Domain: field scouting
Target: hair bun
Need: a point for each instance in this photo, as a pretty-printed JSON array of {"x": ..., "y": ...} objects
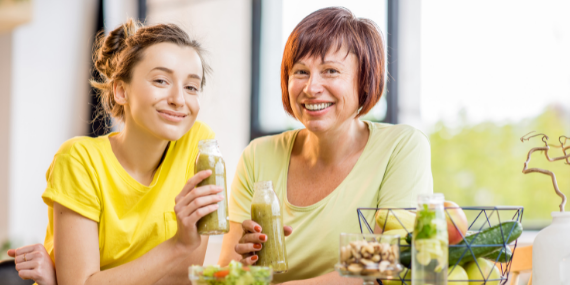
[{"x": 109, "y": 47}]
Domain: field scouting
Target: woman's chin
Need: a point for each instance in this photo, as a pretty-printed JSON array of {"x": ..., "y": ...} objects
[
  {"x": 317, "y": 126},
  {"x": 171, "y": 133}
]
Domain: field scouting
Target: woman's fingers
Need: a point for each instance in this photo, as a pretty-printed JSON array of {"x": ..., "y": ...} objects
[
  {"x": 250, "y": 226},
  {"x": 245, "y": 248},
  {"x": 250, "y": 260},
  {"x": 196, "y": 204},
  {"x": 28, "y": 274},
  {"x": 196, "y": 193},
  {"x": 198, "y": 214},
  {"x": 193, "y": 182},
  {"x": 12, "y": 252},
  {"x": 28, "y": 252},
  {"x": 253, "y": 238},
  {"x": 29, "y": 248},
  {"x": 32, "y": 264},
  {"x": 287, "y": 230}
]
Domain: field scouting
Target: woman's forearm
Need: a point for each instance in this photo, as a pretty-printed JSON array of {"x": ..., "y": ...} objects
[
  {"x": 147, "y": 269},
  {"x": 77, "y": 254},
  {"x": 179, "y": 275}
]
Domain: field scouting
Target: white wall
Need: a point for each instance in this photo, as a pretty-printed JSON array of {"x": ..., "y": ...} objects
[
  {"x": 224, "y": 29},
  {"x": 49, "y": 103}
]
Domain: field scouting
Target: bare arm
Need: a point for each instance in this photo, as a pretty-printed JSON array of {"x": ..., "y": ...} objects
[
  {"x": 229, "y": 243},
  {"x": 77, "y": 244},
  {"x": 179, "y": 275}
]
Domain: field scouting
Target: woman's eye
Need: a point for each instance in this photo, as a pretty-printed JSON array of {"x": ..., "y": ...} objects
[
  {"x": 331, "y": 71},
  {"x": 160, "y": 81},
  {"x": 192, "y": 88},
  {"x": 301, "y": 72}
]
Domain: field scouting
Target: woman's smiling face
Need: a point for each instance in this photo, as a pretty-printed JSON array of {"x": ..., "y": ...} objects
[
  {"x": 162, "y": 97},
  {"x": 324, "y": 93}
]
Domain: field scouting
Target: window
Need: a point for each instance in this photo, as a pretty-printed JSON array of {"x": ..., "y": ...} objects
[
  {"x": 273, "y": 21},
  {"x": 492, "y": 72}
]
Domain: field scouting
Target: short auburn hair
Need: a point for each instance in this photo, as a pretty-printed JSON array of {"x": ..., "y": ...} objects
[{"x": 335, "y": 27}]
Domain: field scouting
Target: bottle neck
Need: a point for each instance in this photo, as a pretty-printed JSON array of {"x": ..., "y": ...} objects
[
  {"x": 561, "y": 218},
  {"x": 209, "y": 147}
]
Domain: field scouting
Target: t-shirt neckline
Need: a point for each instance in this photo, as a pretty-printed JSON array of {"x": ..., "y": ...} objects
[
  {"x": 124, "y": 174},
  {"x": 291, "y": 142}
]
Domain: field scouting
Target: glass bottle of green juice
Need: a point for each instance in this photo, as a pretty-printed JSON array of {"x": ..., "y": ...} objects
[
  {"x": 266, "y": 211},
  {"x": 210, "y": 157},
  {"x": 430, "y": 242}
]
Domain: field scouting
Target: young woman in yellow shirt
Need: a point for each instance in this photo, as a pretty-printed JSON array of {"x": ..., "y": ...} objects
[{"x": 123, "y": 207}]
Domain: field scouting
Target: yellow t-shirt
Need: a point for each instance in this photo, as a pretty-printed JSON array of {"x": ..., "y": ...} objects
[
  {"x": 86, "y": 177},
  {"x": 394, "y": 167}
]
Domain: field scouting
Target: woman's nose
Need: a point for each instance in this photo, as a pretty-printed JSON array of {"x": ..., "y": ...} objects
[
  {"x": 176, "y": 97},
  {"x": 314, "y": 85}
]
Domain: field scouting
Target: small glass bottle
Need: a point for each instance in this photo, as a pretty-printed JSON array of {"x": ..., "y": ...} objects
[
  {"x": 266, "y": 211},
  {"x": 210, "y": 157},
  {"x": 430, "y": 242}
]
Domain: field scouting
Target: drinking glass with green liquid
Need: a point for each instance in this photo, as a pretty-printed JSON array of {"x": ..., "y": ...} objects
[
  {"x": 266, "y": 211},
  {"x": 210, "y": 157},
  {"x": 430, "y": 242}
]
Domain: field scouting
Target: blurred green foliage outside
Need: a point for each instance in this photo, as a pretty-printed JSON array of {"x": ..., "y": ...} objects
[{"x": 481, "y": 164}]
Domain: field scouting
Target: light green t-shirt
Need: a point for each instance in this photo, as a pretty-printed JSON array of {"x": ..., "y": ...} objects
[{"x": 394, "y": 167}]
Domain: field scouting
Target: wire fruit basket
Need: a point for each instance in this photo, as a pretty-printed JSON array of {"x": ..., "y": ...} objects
[{"x": 499, "y": 224}]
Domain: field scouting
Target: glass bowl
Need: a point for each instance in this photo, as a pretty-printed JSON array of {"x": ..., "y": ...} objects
[
  {"x": 369, "y": 256},
  {"x": 235, "y": 273}
]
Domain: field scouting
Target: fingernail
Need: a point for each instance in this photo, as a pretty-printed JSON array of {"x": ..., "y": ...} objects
[
  {"x": 257, "y": 246},
  {"x": 262, "y": 237},
  {"x": 254, "y": 258},
  {"x": 257, "y": 229}
]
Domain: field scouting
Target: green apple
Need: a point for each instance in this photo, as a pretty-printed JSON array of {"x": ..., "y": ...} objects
[
  {"x": 488, "y": 269},
  {"x": 457, "y": 273}
]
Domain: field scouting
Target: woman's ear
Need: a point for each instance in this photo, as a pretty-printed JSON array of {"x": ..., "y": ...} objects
[{"x": 120, "y": 92}]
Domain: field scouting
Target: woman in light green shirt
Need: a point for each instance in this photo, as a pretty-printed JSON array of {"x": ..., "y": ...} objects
[{"x": 332, "y": 73}]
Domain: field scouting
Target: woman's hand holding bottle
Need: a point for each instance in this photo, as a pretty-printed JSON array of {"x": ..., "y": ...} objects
[
  {"x": 252, "y": 241},
  {"x": 192, "y": 204}
]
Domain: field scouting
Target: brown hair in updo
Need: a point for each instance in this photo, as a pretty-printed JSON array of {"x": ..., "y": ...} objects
[{"x": 115, "y": 56}]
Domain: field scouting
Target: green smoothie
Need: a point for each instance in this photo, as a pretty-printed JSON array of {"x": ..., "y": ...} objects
[
  {"x": 266, "y": 212},
  {"x": 216, "y": 222}
]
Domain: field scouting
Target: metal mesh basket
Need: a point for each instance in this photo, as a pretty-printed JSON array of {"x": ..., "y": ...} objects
[{"x": 481, "y": 218}]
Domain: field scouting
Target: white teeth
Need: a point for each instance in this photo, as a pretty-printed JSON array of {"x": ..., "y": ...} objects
[{"x": 317, "y": 107}]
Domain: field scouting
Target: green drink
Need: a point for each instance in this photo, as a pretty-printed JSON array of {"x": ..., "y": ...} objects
[
  {"x": 210, "y": 157},
  {"x": 266, "y": 211},
  {"x": 430, "y": 242}
]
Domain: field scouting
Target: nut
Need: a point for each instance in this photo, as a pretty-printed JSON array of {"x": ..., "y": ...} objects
[
  {"x": 355, "y": 268},
  {"x": 383, "y": 265},
  {"x": 368, "y": 257},
  {"x": 345, "y": 253}
]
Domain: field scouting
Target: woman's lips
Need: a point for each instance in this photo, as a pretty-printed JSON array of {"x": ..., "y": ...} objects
[
  {"x": 172, "y": 116},
  {"x": 317, "y": 108}
]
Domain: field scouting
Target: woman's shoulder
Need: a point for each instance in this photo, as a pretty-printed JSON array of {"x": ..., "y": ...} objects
[
  {"x": 271, "y": 145},
  {"x": 396, "y": 133},
  {"x": 81, "y": 145}
]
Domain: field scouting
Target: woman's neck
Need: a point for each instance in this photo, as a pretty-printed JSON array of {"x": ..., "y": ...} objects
[
  {"x": 334, "y": 145},
  {"x": 139, "y": 153}
]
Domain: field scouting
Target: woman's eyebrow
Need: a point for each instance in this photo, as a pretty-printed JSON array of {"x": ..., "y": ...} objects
[
  {"x": 332, "y": 61},
  {"x": 170, "y": 71}
]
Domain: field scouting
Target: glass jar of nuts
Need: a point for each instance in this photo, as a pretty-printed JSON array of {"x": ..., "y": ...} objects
[{"x": 369, "y": 256}]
